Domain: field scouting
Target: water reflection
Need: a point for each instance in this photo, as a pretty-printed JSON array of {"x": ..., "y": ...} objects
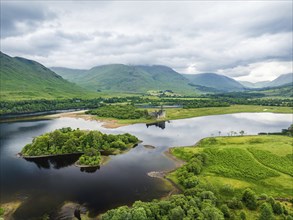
[
  {"x": 160, "y": 124},
  {"x": 89, "y": 169},
  {"x": 55, "y": 162}
]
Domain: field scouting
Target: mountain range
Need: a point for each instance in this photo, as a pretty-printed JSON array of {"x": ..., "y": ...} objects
[
  {"x": 127, "y": 78},
  {"x": 28, "y": 79},
  {"x": 141, "y": 78}
]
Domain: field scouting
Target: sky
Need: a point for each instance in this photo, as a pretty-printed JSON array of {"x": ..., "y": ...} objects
[{"x": 246, "y": 40}]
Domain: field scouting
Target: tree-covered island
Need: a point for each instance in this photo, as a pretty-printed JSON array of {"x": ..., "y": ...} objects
[{"x": 90, "y": 144}]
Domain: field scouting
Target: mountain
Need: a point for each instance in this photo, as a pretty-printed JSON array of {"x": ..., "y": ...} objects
[
  {"x": 260, "y": 84},
  {"x": 280, "y": 91},
  {"x": 219, "y": 82},
  {"x": 67, "y": 73},
  {"x": 127, "y": 78},
  {"x": 27, "y": 79},
  {"x": 281, "y": 80}
]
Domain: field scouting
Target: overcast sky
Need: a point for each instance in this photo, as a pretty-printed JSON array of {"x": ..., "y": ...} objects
[{"x": 249, "y": 40}]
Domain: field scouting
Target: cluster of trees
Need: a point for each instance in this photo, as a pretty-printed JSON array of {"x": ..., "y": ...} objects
[
  {"x": 120, "y": 112},
  {"x": 67, "y": 140},
  {"x": 257, "y": 101},
  {"x": 91, "y": 157},
  {"x": 177, "y": 207},
  {"x": 187, "y": 174},
  {"x": 32, "y": 106}
]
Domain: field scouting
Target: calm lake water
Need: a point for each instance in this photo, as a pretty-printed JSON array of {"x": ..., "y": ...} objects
[{"x": 45, "y": 185}]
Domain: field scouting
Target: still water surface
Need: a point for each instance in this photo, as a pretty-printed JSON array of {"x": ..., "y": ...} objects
[{"x": 46, "y": 185}]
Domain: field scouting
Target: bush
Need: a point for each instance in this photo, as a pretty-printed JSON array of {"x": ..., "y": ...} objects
[
  {"x": 242, "y": 215},
  {"x": 225, "y": 210},
  {"x": 277, "y": 208},
  {"x": 234, "y": 203},
  {"x": 266, "y": 212},
  {"x": 249, "y": 199}
]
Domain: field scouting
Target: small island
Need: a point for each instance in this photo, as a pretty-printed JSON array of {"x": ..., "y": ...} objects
[{"x": 91, "y": 145}]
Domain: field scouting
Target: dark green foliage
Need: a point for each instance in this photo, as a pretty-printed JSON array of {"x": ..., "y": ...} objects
[
  {"x": 277, "y": 208},
  {"x": 177, "y": 207},
  {"x": 212, "y": 213},
  {"x": 249, "y": 199},
  {"x": 266, "y": 212},
  {"x": 225, "y": 210},
  {"x": 120, "y": 112},
  {"x": 91, "y": 157},
  {"x": 33, "y": 106},
  {"x": 234, "y": 203},
  {"x": 176, "y": 213},
  {"x": 242, "y": 215},
  {"x": 66, "y": 141}
]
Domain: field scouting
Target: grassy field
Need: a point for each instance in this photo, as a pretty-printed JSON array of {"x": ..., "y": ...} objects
[
  {"x": 180, "y": 113},
  {"x": 262, "y": 163}
]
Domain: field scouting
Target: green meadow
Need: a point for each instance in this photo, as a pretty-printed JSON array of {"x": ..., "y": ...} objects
[{"x": 262, "y": 163}]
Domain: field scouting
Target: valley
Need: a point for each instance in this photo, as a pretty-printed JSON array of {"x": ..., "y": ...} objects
[{"x": 94, "y": 143}]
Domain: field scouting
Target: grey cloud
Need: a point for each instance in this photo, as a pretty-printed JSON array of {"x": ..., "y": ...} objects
[{"x": 20, "y": 17}]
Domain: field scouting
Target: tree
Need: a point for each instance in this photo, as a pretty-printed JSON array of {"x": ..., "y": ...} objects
[
  {"x": 241, "y": 132},
  {"x": 225, "y": 210},
  {"x": 139, "y": 214},
  {"x": 277, "y": 208},
  {"x": 242, "y": 215},
  {"x": 266, "y": 212},
  {"x": 212, "y": 213},
  {"x": 249, "y": 199},
  {"x": 176, "y": 213}
]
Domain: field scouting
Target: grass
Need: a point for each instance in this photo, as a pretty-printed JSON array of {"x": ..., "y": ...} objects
[{"x": 263, "y": 163}]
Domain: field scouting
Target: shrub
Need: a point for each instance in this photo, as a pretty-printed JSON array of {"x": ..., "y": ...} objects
[
  {"x": 266, "y": 212},
  {"x": 249, "y": 199}
]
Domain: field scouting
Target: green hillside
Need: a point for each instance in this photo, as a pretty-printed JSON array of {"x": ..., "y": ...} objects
[
  {"x": 219, "y": 82},
  {"x": 27, "y": 79},
  {"x": 279, "y": 91},
  {"x": 130, "y": 79}
]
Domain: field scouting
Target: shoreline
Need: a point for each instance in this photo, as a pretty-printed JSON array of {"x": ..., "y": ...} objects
[
  {"x": 106, "y": 123},
  {"x": 163, "y": 174}
]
